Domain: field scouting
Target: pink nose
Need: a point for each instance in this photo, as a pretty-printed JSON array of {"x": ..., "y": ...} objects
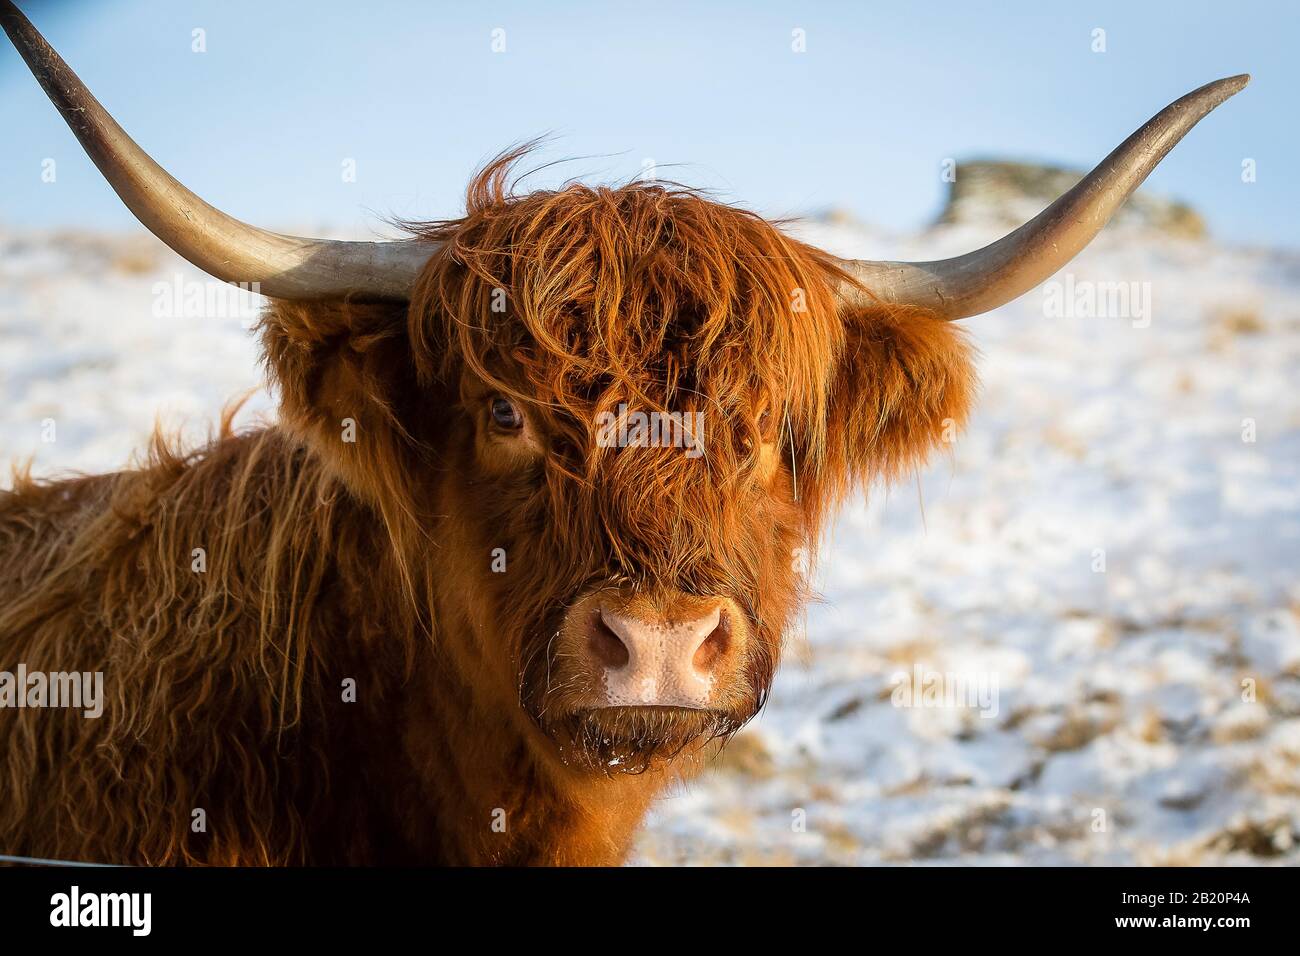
[{"x": 656, "y": 661}]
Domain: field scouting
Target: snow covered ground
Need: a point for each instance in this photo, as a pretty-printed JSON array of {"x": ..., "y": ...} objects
[{"x": 1107, "y": 559}]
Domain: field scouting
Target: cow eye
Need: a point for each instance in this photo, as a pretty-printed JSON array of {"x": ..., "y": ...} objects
[{"x": 505, "y": 414}]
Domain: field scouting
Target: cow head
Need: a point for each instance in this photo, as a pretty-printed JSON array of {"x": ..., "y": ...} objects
[
  {"x": 604, "y": 427},
  {"x": 618, "y": 418}
]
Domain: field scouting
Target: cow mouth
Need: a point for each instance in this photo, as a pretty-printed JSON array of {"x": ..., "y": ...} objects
[{"x": 616, "y": 740}]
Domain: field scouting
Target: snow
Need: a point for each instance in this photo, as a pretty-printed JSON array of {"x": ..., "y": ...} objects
[{"x": 1103, "y": 545}]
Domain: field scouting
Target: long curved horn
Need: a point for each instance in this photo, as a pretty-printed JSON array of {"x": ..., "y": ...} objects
[
  {"x": 285, "y": 267},
  {"x": 989, "y": 277}
]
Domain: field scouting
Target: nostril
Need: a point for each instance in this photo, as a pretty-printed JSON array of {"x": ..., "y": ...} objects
[
  {"x": 606, "y": 646},
  {"x": 713, "y": 647}
]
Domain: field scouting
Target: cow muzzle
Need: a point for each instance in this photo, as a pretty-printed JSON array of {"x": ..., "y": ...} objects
[{"x": 679, "y": 651}]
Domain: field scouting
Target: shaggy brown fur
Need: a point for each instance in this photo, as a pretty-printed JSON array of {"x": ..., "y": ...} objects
[{"x": 371, "y": 560}]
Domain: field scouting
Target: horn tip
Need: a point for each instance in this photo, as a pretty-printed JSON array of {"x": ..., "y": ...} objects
[
  {"x": 1232, "y": 84},
  {"x": 1215, "y": 93}
]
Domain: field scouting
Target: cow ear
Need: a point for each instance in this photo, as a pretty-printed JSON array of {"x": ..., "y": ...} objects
[
  {"x": 348, "y": 387},
  {"x": 904, "y": 386}
]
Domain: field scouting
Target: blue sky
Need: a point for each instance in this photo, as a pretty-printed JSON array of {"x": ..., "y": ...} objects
[{"x": 261, "y": 123}]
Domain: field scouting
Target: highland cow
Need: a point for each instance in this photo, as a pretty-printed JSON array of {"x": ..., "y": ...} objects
[{"x": 433, "y": 615}]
